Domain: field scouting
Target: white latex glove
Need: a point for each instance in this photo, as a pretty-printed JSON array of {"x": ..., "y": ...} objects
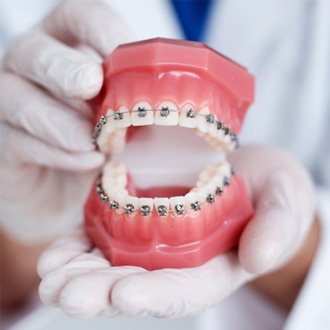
[
  {"x": 46, "y": 155},
  {"x": 82, "y": 283}
]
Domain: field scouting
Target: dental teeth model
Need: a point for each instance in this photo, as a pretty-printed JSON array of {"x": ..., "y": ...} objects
[{"x": 167, "y": 82}]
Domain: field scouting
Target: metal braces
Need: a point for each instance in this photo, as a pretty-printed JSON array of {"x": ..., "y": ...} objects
[
  {"x": 164, "y": 112},
  {"x": 162, "y": 210}
]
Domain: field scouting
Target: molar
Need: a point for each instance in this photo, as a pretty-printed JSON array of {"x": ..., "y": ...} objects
[
  {"x": 167, "y": 114},
  {"x": 142, "y": 114}
]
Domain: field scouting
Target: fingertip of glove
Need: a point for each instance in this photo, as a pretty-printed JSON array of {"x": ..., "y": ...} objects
[
  {"x": 258, "y": 260},
  {"x": 81, "y": 79},
  {"x": 87, "y": 162},
  {"x": 127, "y": 299},
  {"x": 89, "y": 79},
  {"x": 80, "y": 298}
]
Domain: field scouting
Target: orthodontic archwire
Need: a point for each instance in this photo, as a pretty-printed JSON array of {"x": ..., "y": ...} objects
[
  {"x": 162, "y": 210},
  {"x": 164, "y": 112}
]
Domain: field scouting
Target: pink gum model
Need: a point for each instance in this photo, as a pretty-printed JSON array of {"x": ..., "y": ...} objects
[{"x": 169, "y": 83}]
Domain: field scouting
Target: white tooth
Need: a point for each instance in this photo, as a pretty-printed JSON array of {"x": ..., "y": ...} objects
[
  {"x": 211, "y": 187},
  {"x": 225, "y": 139},
  {"x": 213, "y": 131},
  {"x": 112, "y": 169},
  {"x": 206, "y": 175},
  {"x": 110, "y": 190},
  {"x": 177, "y": 205},
  {"x": 118, "y": 181},
  {"x": 131, "y": 201},
  {"x": 104, "y": 139},
  {"x": 224, "y": 168},
  {"x": 167, "y": 114},
  {"x": 140, "y": 117},
  {"x": 202, "y": 124},
  {"x": 117, "y": 140},
  {"x": 162, "y": 206},
  {"x": 120, "y": 196},
  {"x": 186, "y": 113},
  {"x": 125, "y": 121},
  {"x": 218, "y": 180},
  {"x": 200, "y": 183},
  {"x": 191, "y": 197},
  {"x": 146, "y": 202},
  {"x": 202, "y": 194}
]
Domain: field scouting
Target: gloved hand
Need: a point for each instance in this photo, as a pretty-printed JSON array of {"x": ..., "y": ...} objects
[
  {"x": 82, "y": 283},
  {"x": 47, "y": 158}
]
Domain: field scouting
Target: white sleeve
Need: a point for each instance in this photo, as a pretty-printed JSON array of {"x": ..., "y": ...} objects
[
  {"x": 17, "y": 16},
  {"x": 311, "y": 311}
]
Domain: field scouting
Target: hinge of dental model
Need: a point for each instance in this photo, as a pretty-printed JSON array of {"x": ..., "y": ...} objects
[
  {"x": 164, "y": 112},
  {"x": 162, "y": 210}
]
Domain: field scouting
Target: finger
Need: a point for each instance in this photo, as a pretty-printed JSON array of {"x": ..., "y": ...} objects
[
  {"x": 88, "y": 295},
  {"x": 104, "y": 32},
  {"x": 62, "y": 251},
  {"x": 284, "y": 211},
  {"x": 25, "y": 105},
  {"x": 17, "y": 145},
  {"x": 55, "y": 66},
  {"x": 53, "y": 283},
  {"x": 174, "y": 293}
]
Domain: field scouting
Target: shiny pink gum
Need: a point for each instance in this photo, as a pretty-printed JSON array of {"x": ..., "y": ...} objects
[{"x": 168, "y": 70}]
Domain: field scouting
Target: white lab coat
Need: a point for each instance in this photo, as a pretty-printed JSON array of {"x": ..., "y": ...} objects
[{"x": 286, "y": 44}]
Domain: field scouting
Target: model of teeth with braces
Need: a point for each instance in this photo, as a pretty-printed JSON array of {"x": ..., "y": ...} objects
[{"x": 165, "y": 82}]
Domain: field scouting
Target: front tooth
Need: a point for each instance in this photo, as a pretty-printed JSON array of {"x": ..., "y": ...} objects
[
  {"x": 202, "y": 124},
  {"x": 132, "y": 205},
  {"x": 188, "y": 116},
  {"x": 162, "y": 206},
  {"x": 192, "y": 203},
  {"x": 142, "y": 114},
  {"x": 167, "y": 114},
  {"x": 146, "y": 206},
  {"x": 120, "y": 118},
  {"x": 177, "y": 205}
]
